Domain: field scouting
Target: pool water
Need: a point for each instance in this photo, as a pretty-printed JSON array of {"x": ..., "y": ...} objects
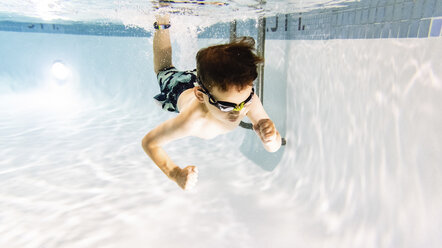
[{"x": 361, "y": 115}]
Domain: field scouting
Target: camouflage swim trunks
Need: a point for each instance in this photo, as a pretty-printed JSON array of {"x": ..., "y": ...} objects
[{"x": 172, "y": 83}]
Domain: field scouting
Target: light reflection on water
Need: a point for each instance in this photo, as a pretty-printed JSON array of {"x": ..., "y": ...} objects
[{"x": 136, "y": 12}]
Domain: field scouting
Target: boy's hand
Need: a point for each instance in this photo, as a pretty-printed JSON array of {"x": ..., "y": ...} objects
[
  {"x": 265, "y": 129},
  {"x": 186, "y": 178}
]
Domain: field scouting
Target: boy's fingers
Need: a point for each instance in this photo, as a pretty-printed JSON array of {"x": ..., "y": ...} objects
[
  {"x": 264, "y": 124},
  {"x": 267, "y": 129},
  {"x": 270, "y": 134},
  {"x": 193, "y": 168}
]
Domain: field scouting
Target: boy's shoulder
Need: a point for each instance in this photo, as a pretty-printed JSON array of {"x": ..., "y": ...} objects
[{"x": 192, "y": 117}]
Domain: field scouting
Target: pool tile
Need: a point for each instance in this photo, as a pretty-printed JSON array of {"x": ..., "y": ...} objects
[
  {"x": 414, "y": 27},
  {"x": 364, "y": 16},
  {"x": 333, "y": 34},
  {"x": 381, "y": 3},
  {"x": 385, "y": 32},
  {"x": 388, "y": 13},
  {"x": 403, "y": 29},
  {"x": 397, "y": 12},
  {"x": 436, "y": 27},
  {"x": 394, "y": 30},
  {"x": 418, "y": 9},
  {"x": 334, "y": 20},
  {"x": 351, "y": 17},
  {"x": 350, "y": 33},
  {"x": 424, "y": 25},
  {"x": 339, "y": 22},
  {"x": 374, "y": 3},
  {"x": 429, "y": 7},
  {"x": 383, "y": 19},
  {"x": 370, "y": 32},
  {"x": 365, "y": 3},
  {"x": 357, "y": 32},
  {"x": 344, "y": 32},
  {"x": 345, "y": 18},
  {"x": 438, "y": 9},
  {"x": 372, "y": 15},
  {"x": 407, "y": 9},
  {"x": 338, "y": 33},
  {"x": 377, "y": 30},
  {"x": 380, "y": 14},
  {"x": 358, "y": 14}
]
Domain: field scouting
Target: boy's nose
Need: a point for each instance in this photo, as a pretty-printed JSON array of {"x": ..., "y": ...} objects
[{"x": 239, "y": 107}]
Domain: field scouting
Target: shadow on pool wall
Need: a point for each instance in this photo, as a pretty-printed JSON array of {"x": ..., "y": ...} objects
[
  {"x": 362, "y": 120},
  {"x": 274, "y": 101}
]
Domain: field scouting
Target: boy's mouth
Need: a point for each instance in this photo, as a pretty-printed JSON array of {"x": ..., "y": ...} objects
[{"x": 232, "y": 118}]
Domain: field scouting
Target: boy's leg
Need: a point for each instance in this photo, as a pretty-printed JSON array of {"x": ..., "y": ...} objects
[{"x": 162, "y": 48}]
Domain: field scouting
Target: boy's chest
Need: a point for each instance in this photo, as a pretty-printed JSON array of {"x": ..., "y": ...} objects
[{"x": 209, "y": 128}]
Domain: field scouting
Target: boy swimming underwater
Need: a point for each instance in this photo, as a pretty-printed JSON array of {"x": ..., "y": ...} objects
[{"x": 211, "y": 100}]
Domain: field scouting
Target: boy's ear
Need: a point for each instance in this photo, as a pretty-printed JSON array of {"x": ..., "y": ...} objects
[{"x": 199, "y": 95}]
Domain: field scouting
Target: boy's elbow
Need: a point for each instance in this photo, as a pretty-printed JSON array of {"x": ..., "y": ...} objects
[{"x": 146, "y": 142}]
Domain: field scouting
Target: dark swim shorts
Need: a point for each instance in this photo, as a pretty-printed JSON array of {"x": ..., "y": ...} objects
[{"x": 172, "y": 83}]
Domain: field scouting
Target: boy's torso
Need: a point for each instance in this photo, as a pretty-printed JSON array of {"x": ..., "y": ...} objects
[{"x": 205, "y": 125}]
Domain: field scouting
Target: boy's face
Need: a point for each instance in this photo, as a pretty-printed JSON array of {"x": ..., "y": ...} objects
[{"x": 232, "y": 95}]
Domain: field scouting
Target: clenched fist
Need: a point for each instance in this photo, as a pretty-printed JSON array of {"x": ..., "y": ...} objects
[{"x": 266, "y": 130}]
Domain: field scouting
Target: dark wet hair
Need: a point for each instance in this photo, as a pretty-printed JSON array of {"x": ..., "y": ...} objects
[{"x": 228, "y": 65}]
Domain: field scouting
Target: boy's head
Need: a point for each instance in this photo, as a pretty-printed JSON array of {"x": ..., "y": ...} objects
[
  {"x": 226, "y": 74},
  {"x": 227, "y": 66}
]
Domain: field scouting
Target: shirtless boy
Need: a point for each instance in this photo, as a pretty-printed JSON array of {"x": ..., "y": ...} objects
[{"x": 209, "y": 101}]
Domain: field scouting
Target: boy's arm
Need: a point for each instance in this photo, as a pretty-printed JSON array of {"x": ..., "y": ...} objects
[
  {"x": 263, "y": 126},
  {"x": 166, "y": 132}
]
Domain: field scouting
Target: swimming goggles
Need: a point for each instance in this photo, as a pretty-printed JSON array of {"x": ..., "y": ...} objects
[{"x": 225, "y": 106}]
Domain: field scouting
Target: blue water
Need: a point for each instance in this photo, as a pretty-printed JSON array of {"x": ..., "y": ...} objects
[{"x": 359, "y": 108}]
